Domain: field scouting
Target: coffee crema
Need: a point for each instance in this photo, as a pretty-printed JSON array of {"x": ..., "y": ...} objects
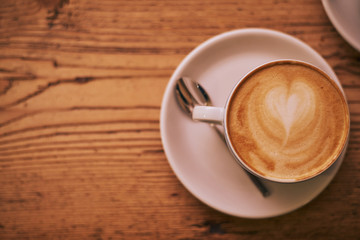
[{"x": 287, "y": 120}]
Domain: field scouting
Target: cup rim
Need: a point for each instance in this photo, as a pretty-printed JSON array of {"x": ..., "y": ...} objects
[{"x": 285, "y": 180}]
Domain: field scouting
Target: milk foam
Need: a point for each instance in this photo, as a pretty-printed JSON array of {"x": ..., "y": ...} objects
[
  {"x": 290, "y": 104},
  {"x": 287, "y": 121}
]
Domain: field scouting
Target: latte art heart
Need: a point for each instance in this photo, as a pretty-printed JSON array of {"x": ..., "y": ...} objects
[
  {"x": 290, "y": 105},
  {"x": 287, "y": 121}
]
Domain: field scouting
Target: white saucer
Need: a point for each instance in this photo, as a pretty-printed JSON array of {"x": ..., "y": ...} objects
[
  {"x": 345, "y": 16},
  {"x": 197, "y": 155}
]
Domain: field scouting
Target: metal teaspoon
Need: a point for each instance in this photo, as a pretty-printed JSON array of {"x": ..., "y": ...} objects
[{"x": 189, "y": 94}]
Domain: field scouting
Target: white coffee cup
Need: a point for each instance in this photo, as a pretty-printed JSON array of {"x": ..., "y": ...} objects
[{"x": 289, "y": 98}]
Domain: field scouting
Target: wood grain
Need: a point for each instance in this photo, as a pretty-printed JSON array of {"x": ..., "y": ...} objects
[{"x": 81, "y": 84}]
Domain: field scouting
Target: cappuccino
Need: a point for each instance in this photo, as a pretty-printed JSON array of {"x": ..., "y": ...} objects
[{"x": 287, "y": 120}]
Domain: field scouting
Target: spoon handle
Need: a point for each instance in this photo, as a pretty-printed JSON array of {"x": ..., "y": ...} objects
[{"x": 257, "y": 182}]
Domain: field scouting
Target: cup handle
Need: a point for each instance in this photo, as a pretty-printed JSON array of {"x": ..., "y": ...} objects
[{"x": 208, "y": 114}]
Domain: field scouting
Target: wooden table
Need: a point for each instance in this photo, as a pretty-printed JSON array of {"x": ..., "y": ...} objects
[{"x": 81, "y": 84}]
